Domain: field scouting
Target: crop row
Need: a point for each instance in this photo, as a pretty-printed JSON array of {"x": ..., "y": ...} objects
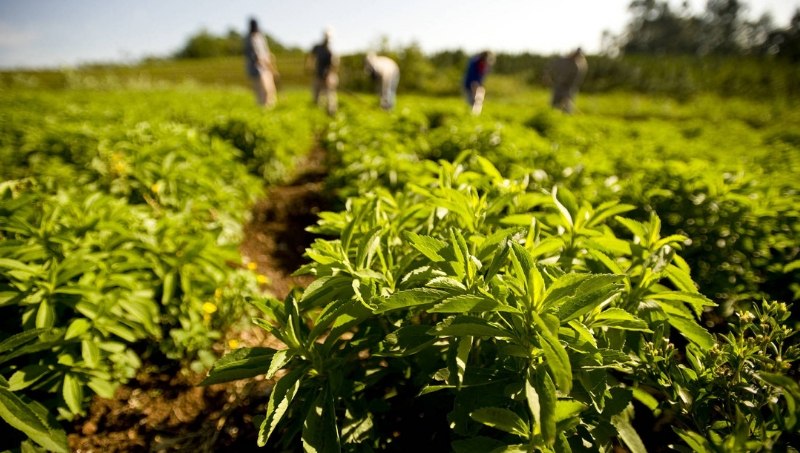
[
  {"x": 120, "y": 219},
  {"x": 464, "y": 289}
]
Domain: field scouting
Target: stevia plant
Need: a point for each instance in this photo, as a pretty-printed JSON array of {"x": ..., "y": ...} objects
[
  {"x": 535, "y": 335},
  {"x": 118, "y": 226}
]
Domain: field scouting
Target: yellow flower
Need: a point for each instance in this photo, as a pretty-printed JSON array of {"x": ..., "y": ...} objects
[
  {"x": 209, "y": 308},
  {"x": 252, "y": 266},
  {"x": 262, "y": 279},
  {"x": 233, "y": 343},
  {"x": 154, "y": 188}
]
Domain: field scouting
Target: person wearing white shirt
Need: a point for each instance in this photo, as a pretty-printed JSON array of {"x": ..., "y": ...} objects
[
  {"x": 260, "y": 66},
  {"x": 387, "y": 73}
]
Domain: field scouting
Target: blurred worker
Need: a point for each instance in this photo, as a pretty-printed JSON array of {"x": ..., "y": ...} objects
[
  {"x": 566, "y": 75},
  {"x": 324, "y": 63},
  {"x": 387, "y": 74},
  {"x": 260, "y": 66},
  {"x": 477, "y": 68}
]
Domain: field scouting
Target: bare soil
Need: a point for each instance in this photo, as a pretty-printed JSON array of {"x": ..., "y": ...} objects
[{"x": 162, "y": 409}]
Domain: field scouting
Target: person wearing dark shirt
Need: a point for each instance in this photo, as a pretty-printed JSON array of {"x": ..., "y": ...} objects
[
  {"x": 477, "y": 68},
  {"x": 566, "y": 75},
  {"x": 324, "y": 64}
]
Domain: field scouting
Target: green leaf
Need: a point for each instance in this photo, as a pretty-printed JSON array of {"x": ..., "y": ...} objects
[
  {"x": 102, "y": 387},
  {"x": 476, "y": 445},
  {"x": 242, "y": 363},
  {"x": 26, "y": 377},
  {"x": 21, "y": 416},
  {"x": 562, "y": 444},
  {"x": 544, "y": 403},
  {"x": 681, "y": 279},
  {"x": 328, "y": 316},
  {"x": 78, "y": 327},
  {"x": 279, "y": 360},
  {"x": 567, "y": 409},
  {"x": 518, "y": 219},
  {"x": 695, "y": 300},
  {"x": 410, "y": 298},
  {"x": 617, "y": 318},
  {"x": 607, "y": 210},
  {"x": 15, "y": 265},
  {"x": 470, "y": 303},
  {"x": 351, "y": 317},
  {"x": 556, "y": 356},
  {"x": 502, "y": 419},
  {"x": 627, "y": 433},
  {"x": 169, "y": 287},
  {"x": 90, "y": 353},
  {"x": 14, "y": 342},
  {"x": 282, "y": 394},
  {"x": 498, "y": 260},
  {"x": 462, "y": 355},
  {"x": 692, "y": 331},
  {"x": 355, "y": 429},
  {"x": 794, "y": 265},
  {"x": 620, "y": 399},
  {"x": 405, "y": 341},
  {"x": 468, "y": 325},
  {"x": 645, "y": 398},
  {"x": 518, "y": 448},
  {"x": 695, "y": 441},
  {"x": 324, "y": 290},
  {"x": 72, "y": 392},
  {"x": 576, "y": 296},
  {"x": 547, "y": 247},
  {"x": 637, "y": 228},
  {"x": 45, "y": 315},
  {"x": 427, "y": 245},
  {"x": 566, "y": 204},
  {"x": 367, "y": 247},
  {"x": 488, "y": 169},
  {"x": 524, "y": 259},
  {"x": 320, "y": 432}
]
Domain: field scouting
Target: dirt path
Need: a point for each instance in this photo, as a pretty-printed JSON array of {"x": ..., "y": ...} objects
[
  {"x": 275, "y": 238},
  {"x": 162, "y": 409}
]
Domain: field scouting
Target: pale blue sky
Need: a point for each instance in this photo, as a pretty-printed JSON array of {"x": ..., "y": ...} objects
[{"x": 51, "y": 33}]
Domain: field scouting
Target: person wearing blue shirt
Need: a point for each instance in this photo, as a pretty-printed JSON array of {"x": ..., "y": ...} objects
[{"x": 477, "y": 68}]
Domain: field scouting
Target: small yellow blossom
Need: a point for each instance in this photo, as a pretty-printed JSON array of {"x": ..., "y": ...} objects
[
  {"x": 252, "y": 266},
  {"x": 154, "y": 188},
  {"x": 262, "y": 279},
  {"x": 209, "y": 308},
  {"x": 233, "y": 343},
  {"x": 120, "y": 167}
]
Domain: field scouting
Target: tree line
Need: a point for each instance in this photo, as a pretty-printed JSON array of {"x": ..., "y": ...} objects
[{"x": 656, "y": 28}]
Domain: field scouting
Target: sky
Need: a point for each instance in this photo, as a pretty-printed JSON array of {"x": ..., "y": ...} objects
[{"x": 57, "y": 33}]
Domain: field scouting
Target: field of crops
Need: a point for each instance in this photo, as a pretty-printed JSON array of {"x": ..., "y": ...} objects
[{"x": 617, "y": 280}]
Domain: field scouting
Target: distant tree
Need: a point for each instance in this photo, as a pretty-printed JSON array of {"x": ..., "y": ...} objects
[
  {"x": 449, "y": 58},
  {"x": 207, "y": 45},
  {"x": 724, "y": 28},
  {"x": 656, "y": 29},
  {"x": 415, "y": 68},
  {"x": 784, "y": 43}
]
